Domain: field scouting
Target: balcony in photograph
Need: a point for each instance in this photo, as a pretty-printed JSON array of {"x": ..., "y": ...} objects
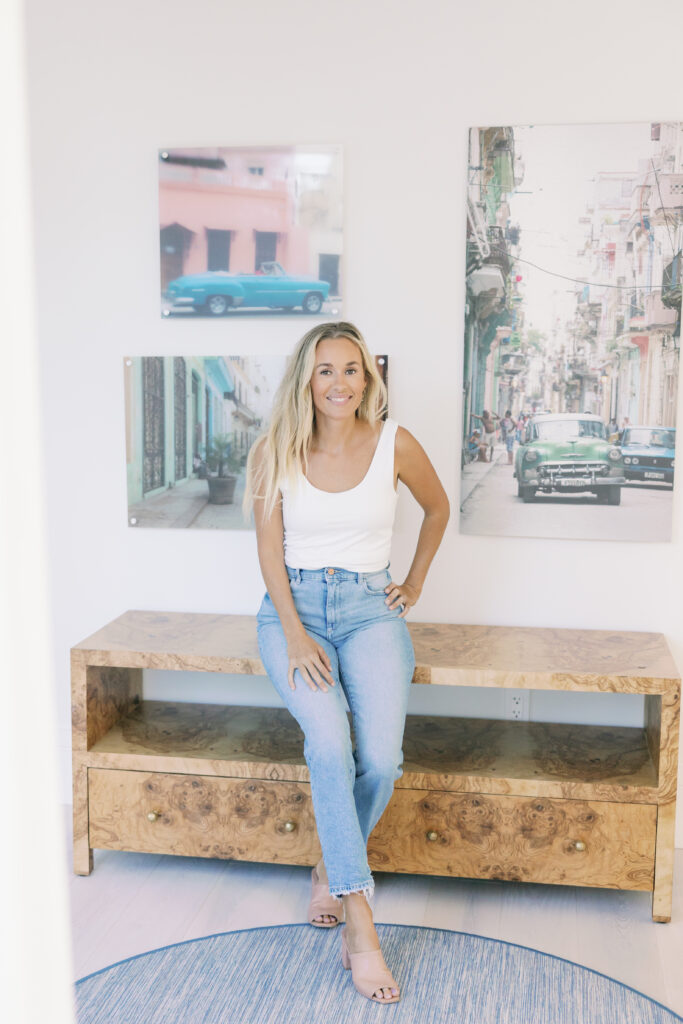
[
  {"x": 499, "y": 252},
  {"x": 512, "y": 362},
  {"x": 475, "y": 253},
  {"x": 487, "y": 279},
  {"x": 242, "y": 410},
  {"x": 672, "y": 279},
  {"x": 671, "y": 188},
  {"x": 657, "y": 314},
  {"x": 579, "y": 366}
]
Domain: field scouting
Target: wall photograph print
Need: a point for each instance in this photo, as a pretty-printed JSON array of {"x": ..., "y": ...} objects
[
  {"x": 572, "y": 330},
  {"x": 251, "y": 231},
  {"x": 190, "y": 422}
]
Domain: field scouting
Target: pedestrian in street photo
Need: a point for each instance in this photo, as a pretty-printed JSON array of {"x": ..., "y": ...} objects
[
  {"x": 322, "y": 482},
  {"x": 476, "y": 446},
  {"x": 488, "y": 423},
  {"x": 507, "y": 426},
  {"x": 519, "y": 428}
]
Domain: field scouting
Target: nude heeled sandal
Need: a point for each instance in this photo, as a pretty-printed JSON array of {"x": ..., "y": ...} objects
[
  {"x": 323, "y": 903},
  {"x": 369, "y": 972}
]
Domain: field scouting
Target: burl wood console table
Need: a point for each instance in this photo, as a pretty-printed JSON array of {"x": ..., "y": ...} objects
[{"x": 523, "y": 801}]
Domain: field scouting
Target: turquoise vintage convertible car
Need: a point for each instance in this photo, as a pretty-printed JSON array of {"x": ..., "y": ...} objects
[
  {"x": 217, "y": 291},
  {"x": 568, "y": 453}
]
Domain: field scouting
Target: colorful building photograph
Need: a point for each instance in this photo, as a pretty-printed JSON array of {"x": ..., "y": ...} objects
[
  {"x": 251, "y": 231},
  {"x": 190, "y": 422},
  {"x": 572, "y": 330}
]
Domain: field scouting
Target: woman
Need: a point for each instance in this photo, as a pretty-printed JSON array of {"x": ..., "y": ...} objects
[{"x": 323, "y": 485}]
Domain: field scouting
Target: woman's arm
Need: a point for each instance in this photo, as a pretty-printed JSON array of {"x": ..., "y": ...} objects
[
  {"x": 269, "y": 541},
  {"x": 304, "y": 653},
  {"x": 419, "y": 476}
]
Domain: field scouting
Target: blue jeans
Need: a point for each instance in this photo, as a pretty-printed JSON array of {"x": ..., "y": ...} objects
[{"x": 373, "y": 661}]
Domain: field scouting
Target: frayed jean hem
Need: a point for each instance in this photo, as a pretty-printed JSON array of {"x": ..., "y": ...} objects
[{"x": 366, "y": 888}]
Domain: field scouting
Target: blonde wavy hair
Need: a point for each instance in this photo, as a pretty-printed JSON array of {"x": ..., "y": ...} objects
[{"x": 285, "y": 445}]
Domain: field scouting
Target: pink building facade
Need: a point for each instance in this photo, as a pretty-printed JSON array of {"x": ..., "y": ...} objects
[{"x": 230, "y": 210}]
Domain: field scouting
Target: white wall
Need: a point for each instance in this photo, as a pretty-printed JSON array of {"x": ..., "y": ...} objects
[
  {"x": 33, "y": 862},
  {"x": 398, "y": 84}
]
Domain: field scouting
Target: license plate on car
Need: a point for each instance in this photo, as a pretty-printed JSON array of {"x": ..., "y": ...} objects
[
  {"x": 575, "y": 482},
  {"x": 654, "y": 476}
]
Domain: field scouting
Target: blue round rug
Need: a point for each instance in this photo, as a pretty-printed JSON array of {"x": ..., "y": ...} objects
[{"x": 292, "y": 974}]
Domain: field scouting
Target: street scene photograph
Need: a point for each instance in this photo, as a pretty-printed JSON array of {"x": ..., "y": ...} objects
[
  {"x": 190, "y": 422},
  {"x": 572, "y": 330},
  {"x": 251, "y": 231}
]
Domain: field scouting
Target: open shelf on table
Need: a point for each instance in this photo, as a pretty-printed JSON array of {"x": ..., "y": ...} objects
[{"x": 463, "y": 754}]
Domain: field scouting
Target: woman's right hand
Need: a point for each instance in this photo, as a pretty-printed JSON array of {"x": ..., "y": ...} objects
[{"x": 312, "y": 662}]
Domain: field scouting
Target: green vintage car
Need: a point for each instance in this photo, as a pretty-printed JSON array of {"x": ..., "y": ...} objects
[{"x": 566, "y": 453}]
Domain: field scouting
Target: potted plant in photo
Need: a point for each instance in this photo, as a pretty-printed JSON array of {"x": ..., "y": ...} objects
[{"x": 224, "y": 464}]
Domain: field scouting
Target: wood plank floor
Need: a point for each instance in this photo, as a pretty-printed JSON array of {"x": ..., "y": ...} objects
[{"x": 136, "y": 902}]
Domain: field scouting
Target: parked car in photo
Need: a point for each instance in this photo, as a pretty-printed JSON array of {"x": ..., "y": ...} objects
[
  {"x": 217, "y": 291},
  {"x": 649, "y": 453},
  {"x": 567, "y": 453}
]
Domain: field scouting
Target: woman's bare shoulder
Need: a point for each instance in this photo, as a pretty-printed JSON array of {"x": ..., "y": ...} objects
[
  {"x": 415, "y": 470},
  {"x": 404, "y": 439},
  {"x": 409, "y": 452}
]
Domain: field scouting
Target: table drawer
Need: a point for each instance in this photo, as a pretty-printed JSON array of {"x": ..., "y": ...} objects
[
  {"x": 202, "y": 816},
  {"x": 529, "y": 839}
]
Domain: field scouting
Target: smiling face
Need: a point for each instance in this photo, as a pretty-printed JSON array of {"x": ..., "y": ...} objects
[{"x": 338, "y": 379}]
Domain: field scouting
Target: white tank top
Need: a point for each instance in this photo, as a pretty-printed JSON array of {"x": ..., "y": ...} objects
[{"x": 349, "y": 529}]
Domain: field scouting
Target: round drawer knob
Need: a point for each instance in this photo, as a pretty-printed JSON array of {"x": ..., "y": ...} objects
[
  {"x": 290, "y": 826},
  {"x": 432, "y": 836},
  {"x": 153, "y": 815},
  {"x": 579, "y": 845}
]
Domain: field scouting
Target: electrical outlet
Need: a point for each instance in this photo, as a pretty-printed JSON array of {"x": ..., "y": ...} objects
[{"x": 517, "y": 705}]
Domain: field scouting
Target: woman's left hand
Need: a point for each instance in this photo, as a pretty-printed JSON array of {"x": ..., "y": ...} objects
[{"x": 401, "y": 593}]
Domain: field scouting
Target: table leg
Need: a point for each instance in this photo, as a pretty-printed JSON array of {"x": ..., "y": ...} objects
[
  {"x": 662, "y": 723},
  {"x": 83, "y": 859}
]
